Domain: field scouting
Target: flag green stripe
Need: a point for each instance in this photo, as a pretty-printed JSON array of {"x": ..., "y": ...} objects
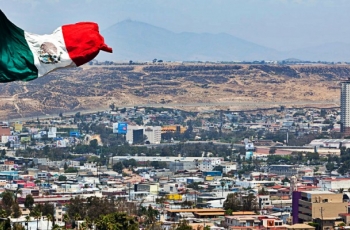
[{"x": 16, "y": 58}]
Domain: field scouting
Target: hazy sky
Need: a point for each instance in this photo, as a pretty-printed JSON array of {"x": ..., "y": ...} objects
[{"x": 279, "y": 24}]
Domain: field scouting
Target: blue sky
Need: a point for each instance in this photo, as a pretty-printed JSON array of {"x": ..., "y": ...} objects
[{"x": 280, "y": 24}]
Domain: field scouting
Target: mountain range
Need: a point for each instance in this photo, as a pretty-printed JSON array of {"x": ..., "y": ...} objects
[{"x": 138, "y": 41}]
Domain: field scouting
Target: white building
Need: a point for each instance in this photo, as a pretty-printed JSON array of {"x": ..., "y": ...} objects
[
  {"x": 173, "y": 187},
  {"x": 70, "y": 163},
  {"x": 345, "y": 107},
  {"x": 132, "y": 131},
  {"x": 54, "y": 163},
  {"x": 91, "y": 166},
  {"x": 52, "y": 132},
  {"x": 138, "y": 134},
  {"x": 264, "y": 201},
  {"x": 254, "y": 183},
  {"x": 334, "y": 184},
  {"x": 40, "y": 161},
  {"x": 227, "y": 167},
  {"x": 153, "y": 133},
  {"x": 208, "y": 164}
]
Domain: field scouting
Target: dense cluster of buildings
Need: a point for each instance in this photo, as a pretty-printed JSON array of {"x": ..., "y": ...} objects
[{"x": 195, "y": 189}]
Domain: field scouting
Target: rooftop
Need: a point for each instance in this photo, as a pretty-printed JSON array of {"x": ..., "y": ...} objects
[
  {"x": 319, "y": 192},
  {"x": 197, "y": 210}
]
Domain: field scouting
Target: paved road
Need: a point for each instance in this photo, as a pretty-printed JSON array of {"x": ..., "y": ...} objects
[{"x": 242, "y": 104}]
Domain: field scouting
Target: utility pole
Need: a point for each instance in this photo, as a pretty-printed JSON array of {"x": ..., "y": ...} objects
[
  {"x": 321, "y": 210},
  {"x": 281, "y": 212}
]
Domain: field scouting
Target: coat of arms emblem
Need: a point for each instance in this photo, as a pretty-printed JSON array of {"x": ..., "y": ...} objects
[{"x": 48, "y": 53}]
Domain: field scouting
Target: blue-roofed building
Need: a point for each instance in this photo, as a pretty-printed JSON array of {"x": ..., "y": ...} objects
[{"x": 9, "y": 175}]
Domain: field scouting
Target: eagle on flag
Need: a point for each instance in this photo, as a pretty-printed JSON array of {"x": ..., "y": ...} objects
[{"x": 25, "y": 56}]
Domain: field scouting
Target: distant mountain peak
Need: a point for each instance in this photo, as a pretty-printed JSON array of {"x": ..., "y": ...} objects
[{"x": 140, "y": 41}]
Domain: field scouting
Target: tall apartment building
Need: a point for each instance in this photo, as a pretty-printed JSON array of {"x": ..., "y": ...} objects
[
  {"x": 310, "y": 206},
  {"x": 345, "y": 108},
  {"x": 136, "y": 134},
  {"x": 153, "y": 133}
]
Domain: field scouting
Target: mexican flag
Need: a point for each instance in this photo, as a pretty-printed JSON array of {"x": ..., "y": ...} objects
[{"x": 25, "y": 56}]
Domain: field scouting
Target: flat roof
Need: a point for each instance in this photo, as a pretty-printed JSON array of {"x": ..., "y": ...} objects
[
  {"x": 318, "y": 192},
  {"x": 197, "y": 210},
  {"x": 210, "y": 213},
  {"x": 243, "y": 213},
  {"x": 300, "y": 226}
]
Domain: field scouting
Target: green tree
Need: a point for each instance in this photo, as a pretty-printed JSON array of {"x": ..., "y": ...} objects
[
  {"x": 16, "y": 211},
  {"x": 158, "y": 164},
  {"x": 17, "y": 226},
  {"x": 228, "y": 212},
  {"x": 222, "y": 187},
  {"x": 29, "y": 202},
  {"x": 77, "y": 206},
  {"x": 49, "y": 219},
  {"x": 250, "y": 203},
  {"x": 130, "y": 163},
  {"x": 77, "y": 217},
  {"x": 7, "y": 202},
  {"x": 330, "y": 167},
  {"x": 65, "y": 166},
  {"x": 118, "y": 167},
  {"x": 71, "y": 170},
  {"x": 112, "y": 106},
  {"x": 232, "y": 202},
  {"x": 17, "y": 191},
  {"x": 161, "y": 200},
  {"x": 36, "y": 214},
  {"x": 116, "y": 221},
  {"x": 183, "y": 225},
  {"x": 27, "y": 220},
  {"x": 285, "y": 180},
  {"x": 65, "y": 220},
  {"x": 152, "y": 214},
  {"x": 62, "y": 178},
  {"x": 94, "y": 144},
  {"x": 262, "y": 191}
]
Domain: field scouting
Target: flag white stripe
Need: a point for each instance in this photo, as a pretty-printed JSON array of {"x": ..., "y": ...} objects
[{"x": 50, "y": 56}]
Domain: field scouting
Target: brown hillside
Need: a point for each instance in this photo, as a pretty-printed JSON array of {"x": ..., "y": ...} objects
[{"x": 194, "y": 87}]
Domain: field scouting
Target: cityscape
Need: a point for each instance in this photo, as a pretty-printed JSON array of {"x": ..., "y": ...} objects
[
  {"x": 175, "y": 115},
  {"x": 222, "y": 169}
]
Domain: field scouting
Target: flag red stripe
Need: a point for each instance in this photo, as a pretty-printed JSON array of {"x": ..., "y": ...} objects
[{"x": 83, "y": 41}]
